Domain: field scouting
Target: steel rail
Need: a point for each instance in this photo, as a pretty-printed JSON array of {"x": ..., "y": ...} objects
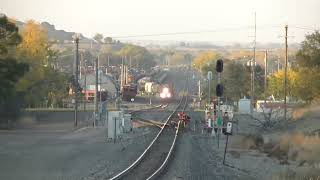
[
  {"x": 165, "y": 162},
  {"x": 140, "y": 158}
]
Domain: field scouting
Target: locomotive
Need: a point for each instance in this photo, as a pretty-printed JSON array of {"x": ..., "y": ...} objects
[{"x": 166, "y": 91}]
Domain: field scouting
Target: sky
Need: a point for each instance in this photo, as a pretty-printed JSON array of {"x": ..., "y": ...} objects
[{"x": 227, "y": 20}]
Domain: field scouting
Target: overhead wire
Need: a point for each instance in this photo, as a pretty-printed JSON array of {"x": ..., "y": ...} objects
[{"x": 183, "y": 33}]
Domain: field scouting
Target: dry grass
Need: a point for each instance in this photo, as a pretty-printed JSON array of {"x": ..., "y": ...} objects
[
  {"x": 247, "y": 142},
  {"x": 305, "y": 149},
  {"x": 305, "y": 112},
  {"x": 298, "y": 174}
]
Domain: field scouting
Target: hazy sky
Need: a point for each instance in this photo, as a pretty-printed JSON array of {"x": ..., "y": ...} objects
[{"x": 230, "y": 18}]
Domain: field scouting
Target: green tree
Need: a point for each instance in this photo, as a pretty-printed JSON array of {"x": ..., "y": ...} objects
[
  {"x": 234, "y": 80},
  {"x": 98, "y": 37},
  {"x": 108, "y": 40},
  {"x": 140, "y": 56},
  {"x": 308, "y": 68},
  {"x": 9, "y": 37},
  {"x": 309, "y": 54},
  {"x": 10, "y": 70}
]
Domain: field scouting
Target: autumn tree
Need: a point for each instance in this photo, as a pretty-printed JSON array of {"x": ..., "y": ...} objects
[
  {"x": 176, "y": 59},
  {"x": 34, "y": 46},
  {"x": 203, "y": 59},
  {"x": 276, "y": 84},
  {"x": 304, "y": 77},
  {"x": 41, "y": 81}
]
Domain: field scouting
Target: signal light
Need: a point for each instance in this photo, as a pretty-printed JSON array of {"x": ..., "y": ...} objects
[
  {"x": 219, "y": 66},
  {"x": 219, "y": 90}
]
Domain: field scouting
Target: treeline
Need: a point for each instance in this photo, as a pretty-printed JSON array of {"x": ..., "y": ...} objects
[
  {"x": 303, "y": 75},
  {"x": 114, "y": 50},
  {"x": 236, "y": 77},
  {"x": 27, "y": 79}
]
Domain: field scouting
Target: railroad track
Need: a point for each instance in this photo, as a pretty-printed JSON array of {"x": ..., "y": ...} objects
[
  {"x": 149, "y": 108},
  {"x": 155, "y": 157}
]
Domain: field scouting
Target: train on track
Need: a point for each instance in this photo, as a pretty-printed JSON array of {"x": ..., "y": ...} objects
[
  {"x": 129, "y": 92},
  {"x": 156, "y": 86},
  {"x": 166, "y": 91}
]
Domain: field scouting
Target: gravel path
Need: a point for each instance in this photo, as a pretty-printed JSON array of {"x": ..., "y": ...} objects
[{"x": 77, "y": 155}]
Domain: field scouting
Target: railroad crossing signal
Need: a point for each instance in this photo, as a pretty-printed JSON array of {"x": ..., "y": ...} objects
[{"x": 219, "y": 90}]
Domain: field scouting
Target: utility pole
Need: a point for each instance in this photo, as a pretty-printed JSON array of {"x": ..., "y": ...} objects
[
  {"x": 130, "y": 63},
  {"x": 126, "y": 74},
  {"x": 121, "y": 75},
  {"x": 81, "y": 64},
  {"x": 76, "y": 39},
  {"x": 265, "y": 74},
  {"x": 100, "y": 81},
  {"x": 108, "y": 62},
  {"x": 209, "y": 77},
  {"x": 278, "y": 64},
  {"x": 285, "y": 73},
  {"x": 85, "y": 84},
  {"x": 96, "y": 93},
  {"x": 199, "y": 90},
  {"x": 253, "y": 63}
]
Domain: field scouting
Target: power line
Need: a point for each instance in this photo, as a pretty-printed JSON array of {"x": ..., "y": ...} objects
[
  {"x": 182, "y": 33},
  {"x": 305, "y": 28},
  {"x": 206, "y": 31},
  {"x": 211, "y": 31}
]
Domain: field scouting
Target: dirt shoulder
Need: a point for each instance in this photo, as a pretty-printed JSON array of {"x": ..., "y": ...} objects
[{"x": 289, "y": 150}]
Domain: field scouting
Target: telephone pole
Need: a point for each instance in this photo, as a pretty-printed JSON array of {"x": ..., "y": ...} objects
[
  {"x": 76, "y": 75},
  {"x": 265, "y": 73},
  {"x": 285, "y": 73},
  {"x": 108, "y": 61},
  {"x": 253, "y": 63},
  {"x": 121, "y": 75},
  {"x": 96, "y": 94},
  {"x": 85, "y": 84},
  {"x": 100, "y": 81}
]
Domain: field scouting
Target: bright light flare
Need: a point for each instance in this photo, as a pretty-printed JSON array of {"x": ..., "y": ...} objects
[
  {"x": 165, "y": 90},
  {"x": 165, "y": 93}
]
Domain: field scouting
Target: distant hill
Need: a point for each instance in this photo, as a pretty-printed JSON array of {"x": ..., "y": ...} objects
[{"x": 54, "y": 34}]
